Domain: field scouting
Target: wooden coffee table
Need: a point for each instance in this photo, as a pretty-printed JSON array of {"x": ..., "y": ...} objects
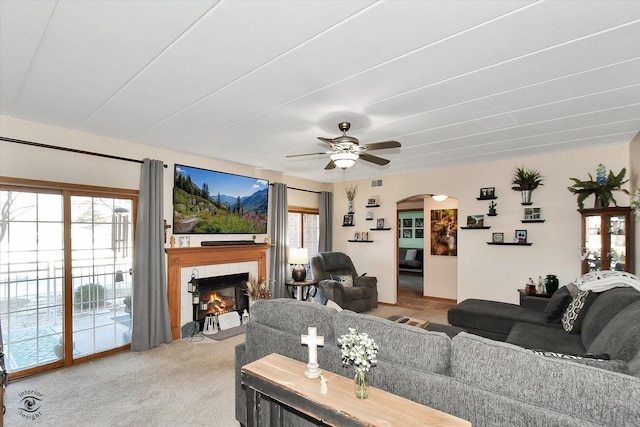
[{"x": 282, "y": 381}]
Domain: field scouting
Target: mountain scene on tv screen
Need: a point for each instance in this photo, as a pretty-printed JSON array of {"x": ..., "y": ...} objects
[{"x": 203, "y": 209}]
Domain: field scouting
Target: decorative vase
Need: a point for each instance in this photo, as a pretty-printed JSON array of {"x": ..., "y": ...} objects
[
  {"x": 551, "y": 283},
  {"x": 361, "y": 385},
  {"x": 600, "y": 202},
  {"x": 350, "y": 206},
  {"x": 526, "y": 197}
]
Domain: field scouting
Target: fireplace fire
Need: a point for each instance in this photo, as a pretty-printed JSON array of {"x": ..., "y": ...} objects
[{"x": 218, "y": 295}]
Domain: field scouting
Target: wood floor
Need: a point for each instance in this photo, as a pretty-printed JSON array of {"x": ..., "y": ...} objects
[{"x": 411, "y": 303}]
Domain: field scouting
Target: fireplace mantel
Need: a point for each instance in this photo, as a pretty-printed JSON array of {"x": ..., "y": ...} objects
[{"x": 206, "y": 255}]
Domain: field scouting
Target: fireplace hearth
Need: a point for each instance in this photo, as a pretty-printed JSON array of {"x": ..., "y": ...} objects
[{"x": 217, "y": 295}]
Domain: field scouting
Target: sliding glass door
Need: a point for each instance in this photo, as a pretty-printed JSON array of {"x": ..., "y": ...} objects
[{"x": 65, "y": 282}]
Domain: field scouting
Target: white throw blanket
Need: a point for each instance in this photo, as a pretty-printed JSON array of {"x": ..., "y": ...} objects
[{"x": 600, "y": 281}]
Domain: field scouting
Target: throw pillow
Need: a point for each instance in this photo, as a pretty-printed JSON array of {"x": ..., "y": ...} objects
[
  {"x": 610, "y": 365},
  {"x": 574, "y": 314},
  {"x": 557, "y": 305},
  {"x": 346, "y": 280},
  {"x": 331, "y": 303},
  {"x": 411, "y": 255}
]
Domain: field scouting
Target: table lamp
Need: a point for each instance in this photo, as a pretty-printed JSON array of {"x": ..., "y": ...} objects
[{"x": 298, "y": 257}]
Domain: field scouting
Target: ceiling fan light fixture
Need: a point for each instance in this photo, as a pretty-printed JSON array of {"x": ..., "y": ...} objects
[
  {"x": 344, "y": 160},
  {"x": 440, "y": 197}
]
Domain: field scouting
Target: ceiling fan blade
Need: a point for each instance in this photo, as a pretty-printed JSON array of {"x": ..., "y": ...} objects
[
  {"x": 373, "y": 159},
  {"x": 327, "y": 140},
  {"x": 382, "y": 145},
  {"x": 330, "y": 166},
  {"x": 309, "y": 154}
]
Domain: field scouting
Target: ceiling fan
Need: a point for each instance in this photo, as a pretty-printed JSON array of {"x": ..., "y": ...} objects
[{"x": 345, "y": 150}]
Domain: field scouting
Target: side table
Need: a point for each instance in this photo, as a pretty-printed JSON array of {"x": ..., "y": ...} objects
[
  {"x": 536, "y": 302},
  {"x": 302, "y": 286}
]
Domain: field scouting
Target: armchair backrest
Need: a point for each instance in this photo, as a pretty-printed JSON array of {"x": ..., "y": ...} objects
[{"x": 324, "y": 264}]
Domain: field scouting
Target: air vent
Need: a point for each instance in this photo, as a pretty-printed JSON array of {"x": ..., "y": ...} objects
[{"x": 376, "y": 183}]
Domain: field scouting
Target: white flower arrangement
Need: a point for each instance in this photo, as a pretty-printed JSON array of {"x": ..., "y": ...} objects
[
  {"x": 635, "y": 203},
  {"x": 358, "y": 349},
  {"x": 350, "y": 191}
]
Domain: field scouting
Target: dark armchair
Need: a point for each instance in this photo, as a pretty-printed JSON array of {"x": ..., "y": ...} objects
[{"x": 328, "y": 266}]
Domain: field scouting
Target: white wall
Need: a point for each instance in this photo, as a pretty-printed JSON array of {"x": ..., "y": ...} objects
[
  {"x": 485, "y": 271},
  {"x": 634, "y": 174}
]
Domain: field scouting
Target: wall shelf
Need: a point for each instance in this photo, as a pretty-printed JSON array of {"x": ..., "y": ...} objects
[
  {"x": 360, "y": 241},
  {"x": 495, "y": 214},
  {"x": 376, "y": 229},
  {"x": 509, "y": 244},
  {"x": 531, "y": 220},
  {"x": 372, "y": 206},
  {"x": 487, "y": 198},
  {"x": 476, "y": 228},
  {"x": 348, "y": 225}
]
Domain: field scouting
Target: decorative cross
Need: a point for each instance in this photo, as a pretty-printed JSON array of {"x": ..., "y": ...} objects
[{"x": 313, "y": 341}]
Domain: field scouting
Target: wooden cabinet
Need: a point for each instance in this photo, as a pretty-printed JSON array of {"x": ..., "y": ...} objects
[{"x": 607, "y": 239}]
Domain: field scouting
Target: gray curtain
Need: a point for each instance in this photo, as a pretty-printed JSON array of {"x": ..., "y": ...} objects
[
  {"x": 279, "y": 214},
  {"x": 325, "y": 243},
  {"x": 150, "y": 306}
]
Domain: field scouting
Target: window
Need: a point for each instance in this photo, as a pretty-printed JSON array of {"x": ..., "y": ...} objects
[{"x": 304, "y": 230}]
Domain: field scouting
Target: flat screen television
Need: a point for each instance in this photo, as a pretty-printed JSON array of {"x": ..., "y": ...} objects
[{"x": 211, "y": 202}]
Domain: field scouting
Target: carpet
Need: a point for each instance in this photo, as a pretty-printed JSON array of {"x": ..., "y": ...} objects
[{"x": 418, "y": 323}]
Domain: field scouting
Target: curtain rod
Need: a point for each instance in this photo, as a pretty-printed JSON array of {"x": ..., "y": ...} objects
[
  {"x": 71, "y": 150},
  {"x": 301, "y": 189}
]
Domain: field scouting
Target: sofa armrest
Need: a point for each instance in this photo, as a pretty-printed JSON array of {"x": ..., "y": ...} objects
[
  {"x": 241, "y": 404},
  {"x": 333, "y": 290},
  {"x": 369, "y": 281}
]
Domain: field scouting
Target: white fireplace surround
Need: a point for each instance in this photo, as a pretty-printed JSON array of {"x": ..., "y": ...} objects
[{"x": 186, "y": 307}]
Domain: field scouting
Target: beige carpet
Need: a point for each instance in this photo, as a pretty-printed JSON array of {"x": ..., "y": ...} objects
[{"x": 172, "y": 385}]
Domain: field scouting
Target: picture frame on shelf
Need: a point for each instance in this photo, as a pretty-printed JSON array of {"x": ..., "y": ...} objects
[
  {"x": 380, "y": 223},
  {"x": 487, "y": 192},
  {"x": 521, "y": 236},
  {"x": 372, "y": 201},
  {"x": 475, "y": 221},
  {"x": 419, "y": 233},
  {"x": 356, "y": 235},
  {"x": 532, "y": 213},
  {"x": 497, "y": 237},
  {"x": 407, "y": 222},
  {"x": 369, "y": 215},
  {"x": 419, "y": 222},
  {"x": 347, "y": 219},
  {"x": 364, "y": 235},
  {"x": 407, "y": 233}
]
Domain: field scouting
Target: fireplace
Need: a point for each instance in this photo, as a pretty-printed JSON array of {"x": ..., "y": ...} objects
[{"x": 218, "y": 295}]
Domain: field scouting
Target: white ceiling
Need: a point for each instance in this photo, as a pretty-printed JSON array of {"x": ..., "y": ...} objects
[{"x": 252, "y": 81}]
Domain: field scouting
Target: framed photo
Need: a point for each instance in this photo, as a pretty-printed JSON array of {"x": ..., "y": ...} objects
[
  {"x": 487, "y": 192},
  {"x": 347, "y": 219},
  {"x": 475, "y": 220},
  {"x": 419, "y": 222},
  {"x": 407, "y": 234},
  {"x": 407, "y": 222},
  {"x": 372, "y": 201},
  {"x": 532, "y": 213},
  {"x": 497, "y": 237},
  {"x": 380, "y": 223},
  {"x": 419, "y": 233},
  {"x": 521, "y": 235},
  {"x": 364, "y": 235},
  {"x": 356, "y": 235}
]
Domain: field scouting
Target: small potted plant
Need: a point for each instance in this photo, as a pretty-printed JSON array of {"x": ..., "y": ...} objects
[
  {"x": 492, "y": 208},
  {"x": 525, "y": 181},
  {"x": 602, "y": 187}
]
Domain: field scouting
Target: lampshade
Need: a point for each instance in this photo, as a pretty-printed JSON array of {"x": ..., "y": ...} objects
[
  {"x": 344, "y": 160},
  {"x": 298, "y": 256},
  {"x": 440, "y": 197}
]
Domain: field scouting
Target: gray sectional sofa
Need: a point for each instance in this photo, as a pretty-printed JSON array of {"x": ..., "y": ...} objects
[{"x": 487, "y": 382}]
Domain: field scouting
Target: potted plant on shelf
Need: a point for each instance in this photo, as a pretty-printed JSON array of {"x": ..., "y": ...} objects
[
  {"x": 525, "y": 181},
  {"x": 602, "y": 187}
]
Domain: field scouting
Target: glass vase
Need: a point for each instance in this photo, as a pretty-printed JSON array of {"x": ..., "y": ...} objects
[{"x": 361, "y": 385}]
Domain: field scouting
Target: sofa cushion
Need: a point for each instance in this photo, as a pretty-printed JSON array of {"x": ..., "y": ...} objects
[
  {"x": 621, "y": 336},
  {"x": 411, "y": 347},
  {"x": 576, "y": 311},
  {"x": 548, "y": 337},
  {"x": 607, "y": 306},
  {"x": 411, "y": 255},
  {"x": 550, "y": 383},
  {"x": 558, "y": 304}
]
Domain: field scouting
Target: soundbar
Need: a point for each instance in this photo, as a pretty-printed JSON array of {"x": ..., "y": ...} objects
[{"x": 226, "y": 242}]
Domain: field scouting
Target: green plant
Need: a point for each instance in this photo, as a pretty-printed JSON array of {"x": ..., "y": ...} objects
[
  {"x": 602, "y": 187},
  {"x": 492, "y": 205},
  {"x": 526, "y": 179},
  {"x": 88, "y": 296}
]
